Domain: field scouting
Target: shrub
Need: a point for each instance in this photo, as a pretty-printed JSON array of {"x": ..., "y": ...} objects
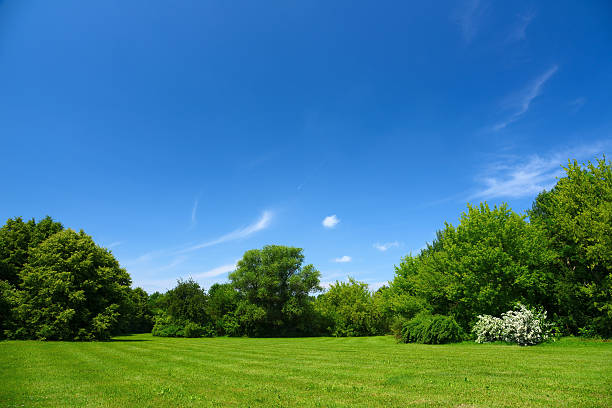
[
  {"x": 522, "y": 326},
  {"x": 431, "y": 329},
  {"x": 349, "y": 309},
  {"x": 166, "y": 326},
  {"x": 193, "y": 330}
]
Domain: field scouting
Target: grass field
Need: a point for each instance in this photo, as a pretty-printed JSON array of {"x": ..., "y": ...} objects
[{"x": 145, "y": 371}]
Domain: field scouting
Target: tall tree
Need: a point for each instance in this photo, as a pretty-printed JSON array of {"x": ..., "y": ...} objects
[
  {"x": 577, "y": 216},
  {"x": 491, "y": 260},
  {"x": 275, "y": 290},
  {"x": 17, "y": 238}
]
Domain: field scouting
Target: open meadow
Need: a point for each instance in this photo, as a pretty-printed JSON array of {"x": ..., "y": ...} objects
[{"x": 146, "y": 371}]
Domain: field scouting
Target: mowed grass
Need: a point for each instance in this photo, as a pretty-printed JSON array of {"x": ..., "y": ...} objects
[{"x": 145, "y": 371}]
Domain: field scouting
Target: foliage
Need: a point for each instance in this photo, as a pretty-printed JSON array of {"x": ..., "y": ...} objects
[
  {"x": 138, "y": 316},
  {"x": 491, "y": 260},
  {"x": 577, "y": 216},
  {"x": 222, "y": 303},
  {"x": 523, "y": 326},
  {"x": 348, "y": 309},
  {"x": 193, "y": 330},
  {"x": 69, "y": 289},
  {"x": 274, "y": 290},
  {"x": 187, "y": 301},
  {"x": 431, "y": 329},
  {"x": 17, "y": 239},
  {"x": 166, "y": 326}
]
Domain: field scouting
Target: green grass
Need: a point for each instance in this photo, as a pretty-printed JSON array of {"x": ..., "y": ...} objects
[{"x": 145, "y": 371}]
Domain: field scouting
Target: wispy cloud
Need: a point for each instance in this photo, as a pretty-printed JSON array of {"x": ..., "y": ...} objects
[
  {"x": 343, "y": 259},
  {"x": 194, "y": 211},
  {"x": 220, "y": 270},
  {"x": 515, "y": 176},
  {"x": 518, "y": 32},
  {"x": 261, "y": 224},
  {"x": 577, "y": 104},
  {"x": 330, "y": 221},
  {"x": 520, "y": 101},
  {"x": 469, "y": 18},
  {"x": 114, "y": 244},
  {"x": 386, "y": 245}
]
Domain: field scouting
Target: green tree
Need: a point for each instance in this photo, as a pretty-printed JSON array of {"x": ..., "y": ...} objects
[
  {"x": 17, "y": 238},
  {"x": 349, "y": 309},
  {"x": 187, "y": 301},
  {"x": 275, "y": 291},
  {"x": 138, "y": 316},
  {"x": 70, "y": 289},
  {"x": 577, "y": 216},
  {"x": 222, "y": 303},
  {"x": 491, "y": 260}
]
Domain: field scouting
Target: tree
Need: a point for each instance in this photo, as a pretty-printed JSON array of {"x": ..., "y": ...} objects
[
  {"x": 222, "y": 303},
  {"x": 274, "y": 291},
  {"x": 491, "y": 260},
  {"x": 139, "y": 316},
  {"x": 577, "y": 217},
  {"x": 17, "y": 238},
  {"x": 349, "y": 309},
  {"x": 70, "y": 289},
  {"x": 187, "y": 302}
]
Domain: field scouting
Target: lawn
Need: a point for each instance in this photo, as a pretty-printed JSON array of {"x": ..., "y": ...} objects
[{"x": 146, "y": 371}]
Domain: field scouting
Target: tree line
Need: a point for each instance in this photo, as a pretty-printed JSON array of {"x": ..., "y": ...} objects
[{"x": 57, "y": 284}]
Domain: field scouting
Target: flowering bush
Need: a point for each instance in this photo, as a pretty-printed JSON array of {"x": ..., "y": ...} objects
[{"x": 523, "y": 326}]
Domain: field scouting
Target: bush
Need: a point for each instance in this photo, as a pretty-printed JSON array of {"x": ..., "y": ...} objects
[
  {"x": 522, "y": 326},
  {"x": 166, "y": 326},
  {"x": 431, "y": 329},
  {"x": 193, "y": 330}
]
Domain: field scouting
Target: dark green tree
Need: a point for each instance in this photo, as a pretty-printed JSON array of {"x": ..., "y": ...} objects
[
  {"x": 187, "y": 302},
  {"x": 222, "y": 303},
  {"x": 70, "y": 289},
  {"x": 17, "y": 238},
  {"x": 138, "y": 317},
  {"x": 577, "y": 217},
  {"x": 275, "y": 291}
]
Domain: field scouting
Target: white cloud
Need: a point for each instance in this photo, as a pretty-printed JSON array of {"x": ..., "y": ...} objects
[
  {"x": 374, "y": 286},
  {"x": 114, "y": 244},
  {"x": 577, "y": 104},
  {"x": 261, "y": 224},
  {"x": 522, "y": 177},
  {"x": 469, "y": 18},
  {"x": 220, "y": 270},
  {"x": 518, "y": 32},
  {"x": 343, "y": 259},
  {"x": 386, "y": 245},
  {"x": 330, "y": 221},
  {"x": 520, "y": 101},
  {"x": 194, "y": 211}
]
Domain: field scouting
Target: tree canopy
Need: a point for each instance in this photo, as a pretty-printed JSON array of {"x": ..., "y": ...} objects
[
  {"x": 70, "y": 289},
  {"x": 491, "y": 260},
  {"x": 576, "y": 215},
  {"x": 274, "y": 290}
]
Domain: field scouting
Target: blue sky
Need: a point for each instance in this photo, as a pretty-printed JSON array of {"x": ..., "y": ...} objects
[{"x": 180, "y": 134}]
